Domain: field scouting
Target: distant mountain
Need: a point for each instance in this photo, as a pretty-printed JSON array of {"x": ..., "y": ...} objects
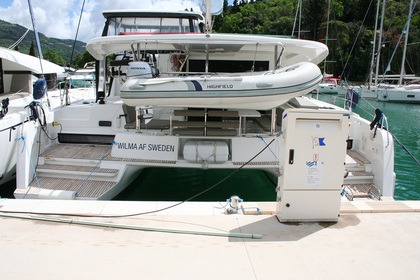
[{"x": 10, "y": 33}]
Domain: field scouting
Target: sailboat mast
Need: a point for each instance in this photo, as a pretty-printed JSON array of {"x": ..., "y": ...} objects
[
  {"x": 36, "y": 33},
  {"x": 379, "y": 42},
  {"x": 298, "y": 15},
  {"x": 326, "y": 35},
  {"x": 402, "y": 73},
  {"x": 374, "y": 43}
]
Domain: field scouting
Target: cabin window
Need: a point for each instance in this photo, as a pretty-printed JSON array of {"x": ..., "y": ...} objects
[{"x": 149, "y": 25}]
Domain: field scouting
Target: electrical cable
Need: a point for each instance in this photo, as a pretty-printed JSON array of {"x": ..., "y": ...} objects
[
  {"x": 133, "y": 227},
  {"x": 405, "y": 149},
  {"x": 94, "y": 168},
  {"x": 153, "y": 211}
]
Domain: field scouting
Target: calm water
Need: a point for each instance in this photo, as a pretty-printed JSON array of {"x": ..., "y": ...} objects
[
  {"x": 254, "y": 185},
  {"x": 404, "y": 123},
  {"x": 176, "y": 184}
]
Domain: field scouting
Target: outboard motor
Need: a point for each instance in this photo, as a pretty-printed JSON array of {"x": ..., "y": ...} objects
[{"x": 139, "y": 69}]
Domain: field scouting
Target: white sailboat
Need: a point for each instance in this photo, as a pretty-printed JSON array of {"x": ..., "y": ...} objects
[
  {"x": 390, "y": 92},
  {"x": 401, "y": 93}
]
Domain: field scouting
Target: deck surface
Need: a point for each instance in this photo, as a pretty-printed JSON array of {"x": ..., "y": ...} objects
[
  {"x": 87, "y": 189},
  {"x": 79, "y": 151},
  {"x": 363, "y": 244}
]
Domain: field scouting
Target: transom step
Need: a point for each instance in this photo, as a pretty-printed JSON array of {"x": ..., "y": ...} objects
[
  {"x": 356, "y": 162},
  {"x": 358, "y": 181},
  {"x": 86, "y": 189},
  {"x": 361, "y": 191}
]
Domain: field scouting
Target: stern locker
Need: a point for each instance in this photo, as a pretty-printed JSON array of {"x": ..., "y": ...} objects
[{"x": 314, "y": 147}]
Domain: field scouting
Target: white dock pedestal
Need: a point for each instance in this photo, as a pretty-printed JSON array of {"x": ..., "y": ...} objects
[{"x": 313, "y": 144}]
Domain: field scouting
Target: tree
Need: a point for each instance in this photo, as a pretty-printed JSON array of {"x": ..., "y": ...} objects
[
  {"x": 225, "y": 6},
  {"x": 235, "y": 7},
  {"x": 32, "y": 49},
  {"x": 82, "y": 59},
  {"x": 54, "y": 57}
]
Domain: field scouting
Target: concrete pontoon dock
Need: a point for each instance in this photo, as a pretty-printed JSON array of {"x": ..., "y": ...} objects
[{"x": 371, "y": 240}]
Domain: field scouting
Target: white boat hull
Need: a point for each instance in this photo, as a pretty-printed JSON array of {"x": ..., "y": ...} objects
[
  {"x": 8, "y": 147},
  {"x": 369, "y": 92},
  {"x": 328, "y": 89},
  {"x": 399, "y": 94}
]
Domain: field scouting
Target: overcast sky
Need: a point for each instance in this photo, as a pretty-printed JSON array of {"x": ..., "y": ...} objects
[{"x": 59, "y": 18}]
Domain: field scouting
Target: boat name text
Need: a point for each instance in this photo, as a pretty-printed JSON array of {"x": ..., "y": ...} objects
[{"x": 146, "y": 147}]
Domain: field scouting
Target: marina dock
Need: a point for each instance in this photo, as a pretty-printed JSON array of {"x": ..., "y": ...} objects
[{"x": 197, "y": 240}]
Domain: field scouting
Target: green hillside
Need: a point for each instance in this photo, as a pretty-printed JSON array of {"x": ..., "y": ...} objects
[
  {"x": 348, "y": 34},
  {"x": 350, "y": 30},
  {"x": 10, "y": 33}
]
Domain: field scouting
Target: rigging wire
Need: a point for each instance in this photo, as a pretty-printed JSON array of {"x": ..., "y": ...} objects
[
  {"x": 38, "y": 43},
  {"x": 357, "y": 37},
  {"x": 15, "y": 44},
  {"x": 403, "y": 32},
  {"x": 407, "y": 151},
  {"x": 82, "y": 185},
  {"x": 396, "y": 139},
  {"x": 77, "y": 32}
]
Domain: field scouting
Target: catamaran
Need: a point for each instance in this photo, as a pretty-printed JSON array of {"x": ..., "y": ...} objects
[{"x": 170, "y": 95}]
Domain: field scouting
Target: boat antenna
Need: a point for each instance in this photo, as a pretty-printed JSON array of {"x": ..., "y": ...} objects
[
  {"x": 77, "y": 32},
  {"x": 208, "y": 17},
  {"x": 210, "y": 8}
]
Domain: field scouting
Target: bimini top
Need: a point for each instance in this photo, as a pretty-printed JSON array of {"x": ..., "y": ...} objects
[
  {"x": 180, "y": 31},
  {"x": 295, "y": 50},
  {"x": 16, "y": 61}
]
